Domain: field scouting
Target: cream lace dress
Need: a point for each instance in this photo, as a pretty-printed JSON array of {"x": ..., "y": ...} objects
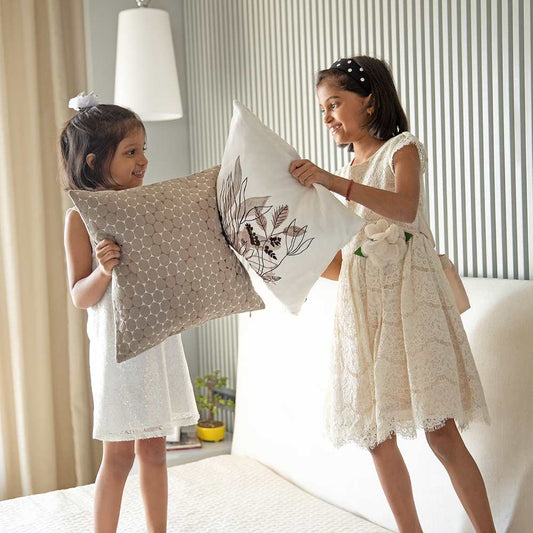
[
  {"x": 143, "y": 397},
  {"x": 401, "y": 359}
]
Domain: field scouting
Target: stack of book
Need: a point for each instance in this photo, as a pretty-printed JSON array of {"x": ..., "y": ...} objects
[{"x": 188, "y": 440}]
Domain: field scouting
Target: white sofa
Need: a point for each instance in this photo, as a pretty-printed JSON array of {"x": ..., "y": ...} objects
[{"x": 283, "y": 475}]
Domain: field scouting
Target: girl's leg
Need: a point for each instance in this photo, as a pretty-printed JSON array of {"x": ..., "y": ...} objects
[
  {"x": 448, "y": 446},
  {"x": 396, "y": 484},
  {"x": 152, "y": 457},
  {"x": 116, "y": 464}
]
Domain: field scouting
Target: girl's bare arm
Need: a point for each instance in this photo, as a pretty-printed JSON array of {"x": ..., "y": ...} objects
[
  {"x": 334, "y": 268},
  {"x": 87, "y": 286},
  {"x": 401, "y": 204}
]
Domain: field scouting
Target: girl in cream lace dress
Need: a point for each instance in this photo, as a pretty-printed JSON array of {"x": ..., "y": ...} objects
[
  {"x": 401, "y": 358},
  {"x": 397, "y": 328}
]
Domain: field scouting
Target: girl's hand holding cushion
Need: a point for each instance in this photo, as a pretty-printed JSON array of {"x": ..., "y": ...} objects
[
  {"x": 108, "y": 255},
  {"x": 308, "y": 173}
]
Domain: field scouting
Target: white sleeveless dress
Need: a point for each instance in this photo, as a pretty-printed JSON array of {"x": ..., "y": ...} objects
[
  {"x": 401, "y": 359},
  {"x": 143, "y": 397}
]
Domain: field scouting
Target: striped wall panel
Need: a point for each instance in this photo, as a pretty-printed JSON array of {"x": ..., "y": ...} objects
[
  {"x": 464, "y": 73},
  {"x": 218, "y": 348},
  {"x": 463, "y": 70}
]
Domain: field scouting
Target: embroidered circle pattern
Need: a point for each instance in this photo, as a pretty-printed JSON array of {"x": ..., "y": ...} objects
[{"x": 177, "y": 270}]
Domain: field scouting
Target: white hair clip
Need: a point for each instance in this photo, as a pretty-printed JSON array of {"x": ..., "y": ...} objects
[{"x": 83, "y": 100}]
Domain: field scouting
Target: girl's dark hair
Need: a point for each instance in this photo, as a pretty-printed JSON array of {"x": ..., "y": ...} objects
[
  {"x": 94, "y": 130},
  {"x": 388, "y": 118}
]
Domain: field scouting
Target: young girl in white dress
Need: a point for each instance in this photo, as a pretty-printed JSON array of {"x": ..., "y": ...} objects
[
  {"x": 401, "y": 359},
  {"x": 140, "y": 401}
]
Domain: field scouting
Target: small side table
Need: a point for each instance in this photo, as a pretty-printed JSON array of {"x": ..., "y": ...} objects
[
  {"x": 208, "y": 449},
  {"x": 180, "y": 457}
]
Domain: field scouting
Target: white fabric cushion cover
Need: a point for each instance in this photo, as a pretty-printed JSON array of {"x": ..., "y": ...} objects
[
  {"x": 287, "y": 233},
  {"x": 177, "y": 270}
]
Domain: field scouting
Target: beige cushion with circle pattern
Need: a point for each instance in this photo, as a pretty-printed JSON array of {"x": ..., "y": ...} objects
[{"x": 177, "y": 270}]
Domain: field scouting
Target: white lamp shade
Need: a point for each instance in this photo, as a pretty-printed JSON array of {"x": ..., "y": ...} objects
[{"x": 146, "y": 79}]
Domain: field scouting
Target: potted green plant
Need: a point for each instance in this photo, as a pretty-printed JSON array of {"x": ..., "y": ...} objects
[{"x": 209, "y": 429}]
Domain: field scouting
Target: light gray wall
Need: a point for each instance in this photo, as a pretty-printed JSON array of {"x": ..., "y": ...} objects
[{"x": 168, "y": 141}]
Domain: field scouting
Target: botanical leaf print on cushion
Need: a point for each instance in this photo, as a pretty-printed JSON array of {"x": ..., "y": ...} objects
[
  {"x": 285, "y": 232},
  {"x": 263, "y": 235}
]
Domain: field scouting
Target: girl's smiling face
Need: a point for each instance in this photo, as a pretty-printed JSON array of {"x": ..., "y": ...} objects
[
  {"x": 345, "y": 112},
  {"x": 129, "y": 163}
]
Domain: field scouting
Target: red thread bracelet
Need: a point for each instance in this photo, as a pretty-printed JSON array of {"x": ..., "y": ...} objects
[{"x": 348, "y": 191}]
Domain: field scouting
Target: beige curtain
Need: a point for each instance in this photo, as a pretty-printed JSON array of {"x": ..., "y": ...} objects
[{"x": 45, "y": 402}]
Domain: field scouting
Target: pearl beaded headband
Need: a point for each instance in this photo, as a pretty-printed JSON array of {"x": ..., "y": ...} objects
[{"x": 354, "y": 70}]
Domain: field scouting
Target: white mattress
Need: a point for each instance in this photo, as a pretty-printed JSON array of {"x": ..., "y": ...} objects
[{"x": 223, "y": 494}]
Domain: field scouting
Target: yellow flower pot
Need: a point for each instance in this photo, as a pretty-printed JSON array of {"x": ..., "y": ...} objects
[{"x": 207, "y": 432}]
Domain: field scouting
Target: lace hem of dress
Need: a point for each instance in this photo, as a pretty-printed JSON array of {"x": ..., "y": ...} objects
[
  {"x": 150, "y": 433},
  {"x": 409, "y": 429}
]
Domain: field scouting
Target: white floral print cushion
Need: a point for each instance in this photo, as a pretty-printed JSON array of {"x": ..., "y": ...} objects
[
  {"x": 177, "y": 270},
  {"x": 287, "y": 233}
]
